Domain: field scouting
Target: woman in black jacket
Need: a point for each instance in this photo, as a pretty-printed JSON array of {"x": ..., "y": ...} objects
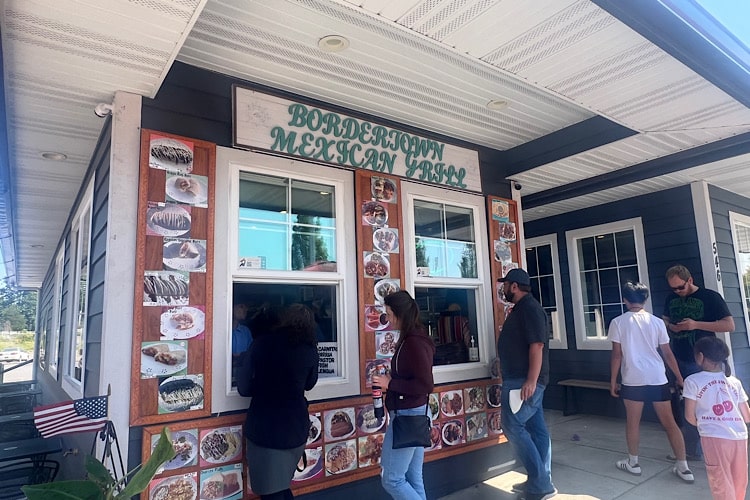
[
  {"x": 281, "y": 366},
  {"x": 408, "y": 388}
]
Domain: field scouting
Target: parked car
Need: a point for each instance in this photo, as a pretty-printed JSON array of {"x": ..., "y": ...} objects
[{"x": 14, "y": 354}]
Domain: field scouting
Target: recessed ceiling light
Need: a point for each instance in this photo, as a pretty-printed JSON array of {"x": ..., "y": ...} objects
[
  {"x": 333, "y": 43},
  {"x": 497, "y": 104},
  {"x": 54, "y": 156},
  {"x": 36, "y": 246}
]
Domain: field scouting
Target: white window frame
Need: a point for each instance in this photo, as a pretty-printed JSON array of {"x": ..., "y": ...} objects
[
  {"x": 54, "y": 335},
  {"x": 229, "y": 163},
  {"x": 734, "y": 219},
  {"x": 73, "y": 387},
  {"x": 482, "y": 284},
  {"x": 559, "y": 338},
  {"x": 571, "y": 237}
]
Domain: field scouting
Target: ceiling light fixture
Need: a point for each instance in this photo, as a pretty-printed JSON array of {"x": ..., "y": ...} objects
[
  {"x": 36, "y": 246},
  {"x": 497, "y": 104},
  {"x": 54, "y": 156},
  {"x": 333, "y": 43}
]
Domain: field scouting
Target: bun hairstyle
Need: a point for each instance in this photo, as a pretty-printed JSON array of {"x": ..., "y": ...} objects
[
  {"x": 635, "y": 293},
  {"x": 714, "y": 349}
]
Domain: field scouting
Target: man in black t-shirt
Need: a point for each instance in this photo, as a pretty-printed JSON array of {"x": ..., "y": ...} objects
[
  {"x": 692, "y": 313},
  {"x": 523, "y": 354}
]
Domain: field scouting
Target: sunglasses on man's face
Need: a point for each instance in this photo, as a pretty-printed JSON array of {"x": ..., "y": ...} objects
[{"x": 679, "y": 288}]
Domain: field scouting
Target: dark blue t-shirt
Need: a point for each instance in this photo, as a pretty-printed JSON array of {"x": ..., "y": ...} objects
[{"x": 526, "y": 325}]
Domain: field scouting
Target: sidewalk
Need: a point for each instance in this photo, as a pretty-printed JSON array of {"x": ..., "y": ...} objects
[{"x": 584, "y": 451}]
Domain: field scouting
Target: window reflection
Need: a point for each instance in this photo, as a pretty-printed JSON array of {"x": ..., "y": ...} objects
[{"x": 286, "y": 224}]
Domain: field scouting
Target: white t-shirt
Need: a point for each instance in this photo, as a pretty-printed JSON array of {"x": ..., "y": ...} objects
[
  {"x": 716, "y": 404},
  {"x": 640, "y": 334}
]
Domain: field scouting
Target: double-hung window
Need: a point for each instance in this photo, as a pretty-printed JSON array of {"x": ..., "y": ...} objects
[
  {"x": 290, "y": 227},
  {"x": 449, "y": 273},
  {"x": 603, "y": 258},
  {"x": 741, "y": 240},
  {"x": 75, "y": 365},
  {"x": 543, "y": 267},
  {"x": 57, "y": 312}
]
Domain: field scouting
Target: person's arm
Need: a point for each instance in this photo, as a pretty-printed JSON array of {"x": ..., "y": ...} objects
[
  {"x": 615, "y": 364},
  {"x": 668, "y": 323},
  {"x": 690, "y": 411},
  {"x": 745, "y": 410},
  {"x": 536, "y": 351},
  {"x": 725, "y": 324},
  {"x": 671, "y": 361},
  {"x": 246, "y": 375}
]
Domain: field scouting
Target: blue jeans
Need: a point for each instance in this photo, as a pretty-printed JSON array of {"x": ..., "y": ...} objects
[
  {"x": 527, "y": 432},
  {"x": 401, "y": 470}
]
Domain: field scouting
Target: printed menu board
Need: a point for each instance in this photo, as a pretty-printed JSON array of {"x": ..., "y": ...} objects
[{"x": 171, "y": 374}]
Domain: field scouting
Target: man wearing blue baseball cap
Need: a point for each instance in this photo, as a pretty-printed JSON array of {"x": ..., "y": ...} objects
[{"x": 522, "y": 349}]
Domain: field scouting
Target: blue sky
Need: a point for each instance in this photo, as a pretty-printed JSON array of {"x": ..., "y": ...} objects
[{"x": 733, "y": 14}]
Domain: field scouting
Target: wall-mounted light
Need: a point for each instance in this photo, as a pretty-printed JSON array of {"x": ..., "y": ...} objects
[
  {"x": 333, "y": 43},
  {"x": 54, "y": 156}
]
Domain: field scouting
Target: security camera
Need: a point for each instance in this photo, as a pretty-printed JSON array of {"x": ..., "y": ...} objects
[
  {"x": 102, "y": 109},
  {"x": 517, "y": 186}
]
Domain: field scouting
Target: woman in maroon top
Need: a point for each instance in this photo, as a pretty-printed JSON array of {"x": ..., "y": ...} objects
[{"x": 407, "y": 389}]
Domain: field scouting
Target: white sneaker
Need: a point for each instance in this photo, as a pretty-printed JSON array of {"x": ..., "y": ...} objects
[
  {"x": 624, "y": 464},
  {"x": 685, "y": 475}
]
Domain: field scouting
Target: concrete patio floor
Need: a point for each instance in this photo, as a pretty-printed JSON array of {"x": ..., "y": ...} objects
[{"x": 584, "y": 451}]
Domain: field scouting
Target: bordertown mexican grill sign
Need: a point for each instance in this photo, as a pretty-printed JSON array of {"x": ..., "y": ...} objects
[{"x": 290, "y": 128}]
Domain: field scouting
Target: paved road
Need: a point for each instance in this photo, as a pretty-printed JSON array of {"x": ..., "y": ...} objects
[{"x": 19, "y": 374}]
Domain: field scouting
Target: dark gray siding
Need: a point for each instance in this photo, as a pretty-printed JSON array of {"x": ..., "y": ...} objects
[
  {"x": 72, "y": 466},
  {"x": 723, "y": 202},
  {"x": 198, "y": 103},
  {"x": 670, "y": 237}
]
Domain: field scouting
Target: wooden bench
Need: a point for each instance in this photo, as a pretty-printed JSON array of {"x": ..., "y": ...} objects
[{"x": 570, "y": 384}]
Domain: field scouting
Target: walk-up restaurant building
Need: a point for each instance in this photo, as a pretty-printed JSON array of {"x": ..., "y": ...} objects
[{"x": 328, "y": 153}]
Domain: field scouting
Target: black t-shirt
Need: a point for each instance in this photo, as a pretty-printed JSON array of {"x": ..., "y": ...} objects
[
  {"x": 526, "y": 325},
  {"x": 701, "y": 305}
]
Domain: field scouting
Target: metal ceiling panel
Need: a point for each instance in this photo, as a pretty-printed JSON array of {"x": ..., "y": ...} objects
[{"x": 431, "y": 64}]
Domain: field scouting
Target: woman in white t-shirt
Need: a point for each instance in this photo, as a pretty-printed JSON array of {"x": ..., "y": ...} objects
[
  {"x": 716, "y": 403},
  {"x": 637, "y": 337}
]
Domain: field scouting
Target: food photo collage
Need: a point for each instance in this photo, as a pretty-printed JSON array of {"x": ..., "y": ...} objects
[
  {"x": 342, "y": 440},
  {"x": 503, "y": 232},
  {"x": 208, "y": 464},
  {"x": 174, "y": 240},
  {"x": 381, "y": 267}
]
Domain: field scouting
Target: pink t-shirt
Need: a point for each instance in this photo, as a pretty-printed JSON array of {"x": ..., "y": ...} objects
[{"x": 716, "y": 404}]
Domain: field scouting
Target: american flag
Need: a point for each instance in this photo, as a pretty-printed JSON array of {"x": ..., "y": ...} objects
[{"x": 68, "y": 417}]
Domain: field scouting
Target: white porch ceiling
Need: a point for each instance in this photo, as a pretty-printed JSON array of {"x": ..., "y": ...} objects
[{"x": 432, "y": 64}]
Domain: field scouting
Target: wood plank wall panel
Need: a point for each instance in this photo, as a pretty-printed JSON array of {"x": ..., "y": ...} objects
[{"x": 147, "y": 318}]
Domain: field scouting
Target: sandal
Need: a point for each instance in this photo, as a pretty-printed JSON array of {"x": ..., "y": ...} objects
[{"x": 624, "y": 464}]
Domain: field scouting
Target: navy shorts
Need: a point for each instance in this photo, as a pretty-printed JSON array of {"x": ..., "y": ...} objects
[{"x": 646, "y": 393}]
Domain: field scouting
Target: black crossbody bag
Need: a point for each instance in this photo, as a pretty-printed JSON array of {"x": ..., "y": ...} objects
[{"x": 410, "y": 431}]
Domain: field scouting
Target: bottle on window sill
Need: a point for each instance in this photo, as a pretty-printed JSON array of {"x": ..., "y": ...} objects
[{"x": 473, "y": 351}]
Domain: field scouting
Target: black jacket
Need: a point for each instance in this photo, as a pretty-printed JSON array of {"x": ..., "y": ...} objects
[{"x": 276, "y": 374}]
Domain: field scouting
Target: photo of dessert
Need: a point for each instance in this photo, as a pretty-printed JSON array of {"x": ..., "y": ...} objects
[
  {"x": 184, "y": 322},
  {"x": 314, "y": 457},
  {"x": 181, "y": 393},
  {"x": 385, "y": 344},
  {"x": 184, "y": 255},
  {"x": 167, "y": 219},
  {"x": 159, "y": 359},
  {"x": 190, "y": 189},
  {"x": 166, "y": 153},
  {"x": 169, "y": 288},
  {"x": 338, "y": 424},
  {"x": 367, "y": 422}
]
